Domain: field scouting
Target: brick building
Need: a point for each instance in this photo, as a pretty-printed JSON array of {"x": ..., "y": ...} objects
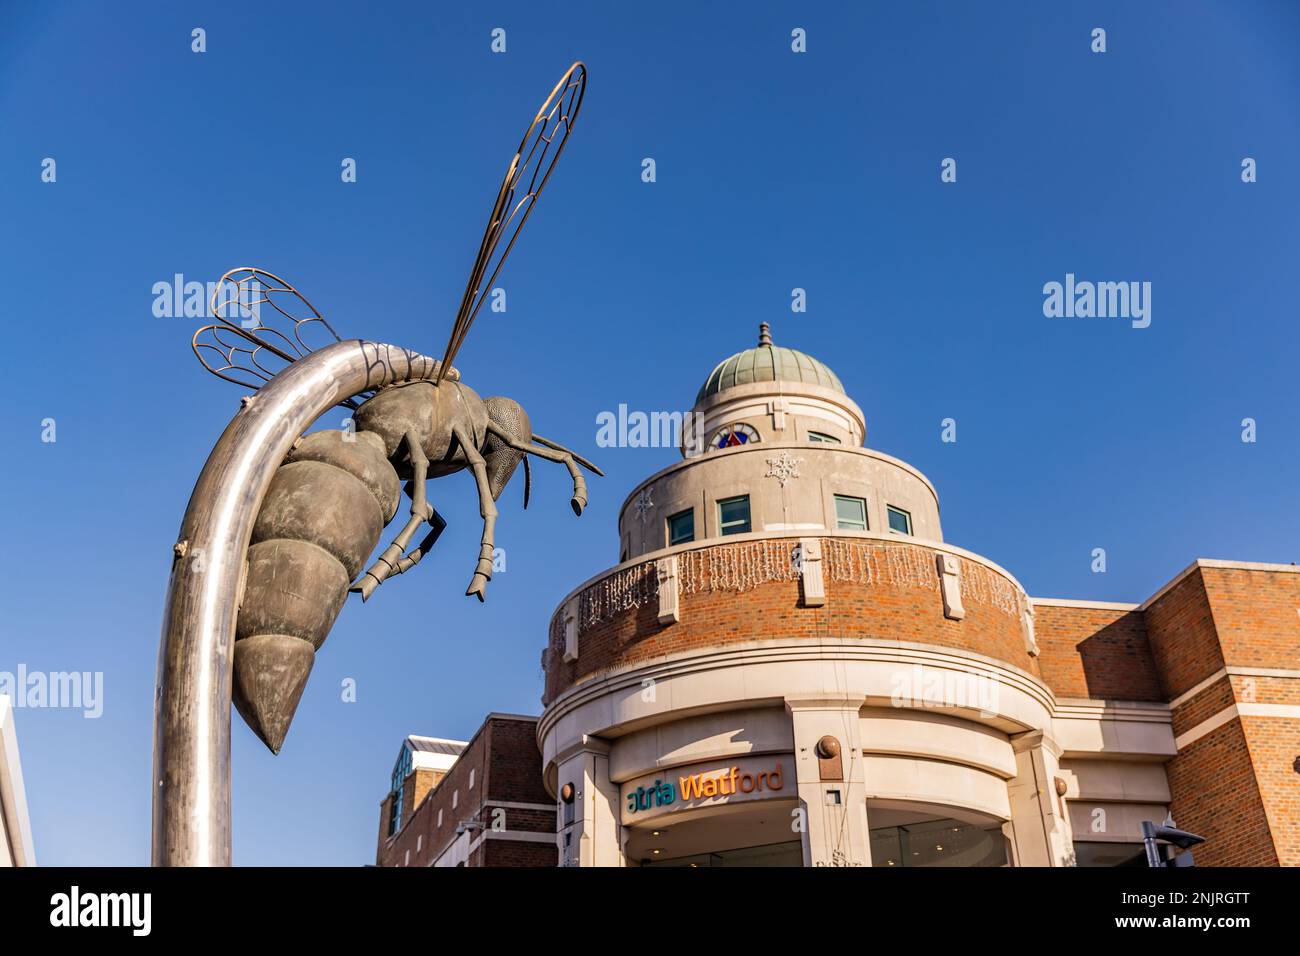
[
  {"x": 469, "y": 803},
  {"x": 790, "y": 666}
]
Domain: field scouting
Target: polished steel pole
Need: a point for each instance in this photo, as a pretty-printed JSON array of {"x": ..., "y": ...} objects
[{"x": 191, "y": 743}]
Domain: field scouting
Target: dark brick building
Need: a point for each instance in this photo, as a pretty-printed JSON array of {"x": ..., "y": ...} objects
[{"x": 484, "y": 805}]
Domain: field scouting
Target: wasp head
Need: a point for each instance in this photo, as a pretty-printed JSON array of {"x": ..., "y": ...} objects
[{"x": 510, "y": 417}]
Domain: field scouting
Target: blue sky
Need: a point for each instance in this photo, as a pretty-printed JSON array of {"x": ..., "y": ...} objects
[{"x": 775, "y": 170}]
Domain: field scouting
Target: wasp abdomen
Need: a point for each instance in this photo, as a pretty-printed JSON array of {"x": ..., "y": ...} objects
[{"x": 321, "y": 518}]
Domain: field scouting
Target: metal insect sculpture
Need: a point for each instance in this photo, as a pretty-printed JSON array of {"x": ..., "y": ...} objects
[{"x": 330, "y": 500}]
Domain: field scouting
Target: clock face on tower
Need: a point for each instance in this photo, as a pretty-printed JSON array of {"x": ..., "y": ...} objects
[{"x": 729, "y": 436}]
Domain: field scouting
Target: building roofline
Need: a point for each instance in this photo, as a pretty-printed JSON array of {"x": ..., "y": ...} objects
[
  {"x": 1170, "y": 584},
  {"x": 1071, "y": 602},
  {"x": 1221, "y": 565}
]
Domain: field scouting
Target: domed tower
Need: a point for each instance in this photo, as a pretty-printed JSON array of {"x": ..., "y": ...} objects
[
  {"x": 789, "y": 665},
  {"x": 774, "y": 443}
]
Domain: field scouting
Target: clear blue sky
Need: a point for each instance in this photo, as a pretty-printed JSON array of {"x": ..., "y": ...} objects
[{"x": 775, "y": 170}]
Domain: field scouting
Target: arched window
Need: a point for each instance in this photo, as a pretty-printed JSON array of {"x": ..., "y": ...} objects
[{"x": 730, "y": 436}]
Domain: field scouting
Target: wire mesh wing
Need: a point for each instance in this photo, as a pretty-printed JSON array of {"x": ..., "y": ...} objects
[
  {"x": 527, "y": 173},
  {"x": 263, "y": 325}
]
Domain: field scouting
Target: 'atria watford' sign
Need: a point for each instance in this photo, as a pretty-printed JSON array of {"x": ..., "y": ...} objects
[{"x": 702, "y": 785}]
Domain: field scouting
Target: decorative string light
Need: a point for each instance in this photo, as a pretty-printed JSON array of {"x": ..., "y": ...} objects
[{"x": 742, "y": 567}]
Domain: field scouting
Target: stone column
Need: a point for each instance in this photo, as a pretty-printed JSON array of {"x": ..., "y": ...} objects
[
  {"x": 831, "y": 782},
  {"x": 587, "y": 829},
  {"x": 1040, "y": 823}
]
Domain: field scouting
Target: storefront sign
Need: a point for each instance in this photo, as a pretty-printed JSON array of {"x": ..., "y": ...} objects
[{"x": 702, "y": 785}]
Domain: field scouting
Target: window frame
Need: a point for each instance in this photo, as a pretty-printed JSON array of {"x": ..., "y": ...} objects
[
  {"x": 749, "y": 515},
  {"x": 890, "y": 511},
  {"x": 401, "y": 770},
  {"x": 752, "y": 437},
  {"x": 823, "y": 438},
  {"x": 862, "y": 502},
  {"x": 668, "y": 527}
]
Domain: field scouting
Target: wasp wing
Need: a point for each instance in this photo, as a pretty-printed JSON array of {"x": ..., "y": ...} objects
[
  {"x": 263, "y": 325},
  {"x": 525, "y": 178}
]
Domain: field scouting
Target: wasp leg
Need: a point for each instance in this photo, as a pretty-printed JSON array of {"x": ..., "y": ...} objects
[
  {"x": 412, "y": 558},
  {"x": 487, "y": 508},
  {"x": 553, "y": 452},
  {"x": 388, "y": 562}
]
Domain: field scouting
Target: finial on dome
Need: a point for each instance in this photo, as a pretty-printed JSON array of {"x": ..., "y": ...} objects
[{"x": 764, "y": 334}]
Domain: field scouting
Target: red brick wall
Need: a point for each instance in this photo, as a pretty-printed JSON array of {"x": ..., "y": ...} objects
[
  {"x": 774, "y": 610},
  {"x": 1255, "y": 615},
  {"x": 1236, "y": 785},
  {"x": 514, "y": 771},
  {"x": 517, "y": 853},
  {"x": 1096, "y": 652},
  {"x": 384, "y": 810},
  {"x": 1203, "y": 705},
  {"x": 1274, "y": 745},
  {"x": 1181, "y": 630},
  {"x": 1215, "y": 794}
]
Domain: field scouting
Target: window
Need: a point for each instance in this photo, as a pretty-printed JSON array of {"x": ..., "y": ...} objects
[
  {"x": 681, "y": 527},
  {"x": 938, "y": 843},
  {"x": 398, "y": 789},
  {"x": 730, "y": 436},
  {"x": 821, "y": 436},
  {"x": 850, "y": 513},
  {"x": 899, "y": 520},
  {"x": 733, "y": 515}
]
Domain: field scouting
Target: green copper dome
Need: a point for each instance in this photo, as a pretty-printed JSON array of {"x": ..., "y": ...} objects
[{"x": 767, "y": 363}]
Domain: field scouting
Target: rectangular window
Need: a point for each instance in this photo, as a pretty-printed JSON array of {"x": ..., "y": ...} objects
[
  {"x": 733, "y": 515},
  {"x": 681, "y": 527},
  {"x": 820, "y": 436},
  {"x": 850, "y": 513},
  {"x": 899, "y": 520}
]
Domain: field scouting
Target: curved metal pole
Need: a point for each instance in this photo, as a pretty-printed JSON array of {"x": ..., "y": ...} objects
[{"x": 191, "y": 744}]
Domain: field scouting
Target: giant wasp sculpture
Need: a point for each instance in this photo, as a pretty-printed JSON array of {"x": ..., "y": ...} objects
[{"x": 328, "y": 503}]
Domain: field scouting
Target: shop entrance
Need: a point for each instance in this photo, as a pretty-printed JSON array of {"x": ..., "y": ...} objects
[
  {"x": 751, "y": 834},
  {"x": 916, "y": 835}
]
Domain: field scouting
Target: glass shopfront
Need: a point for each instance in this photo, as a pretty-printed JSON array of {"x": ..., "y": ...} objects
[
  {"x": 938, "y": 843},
  {"x": 745, "y": 834},
  {"x": 774, "y": 854}
]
